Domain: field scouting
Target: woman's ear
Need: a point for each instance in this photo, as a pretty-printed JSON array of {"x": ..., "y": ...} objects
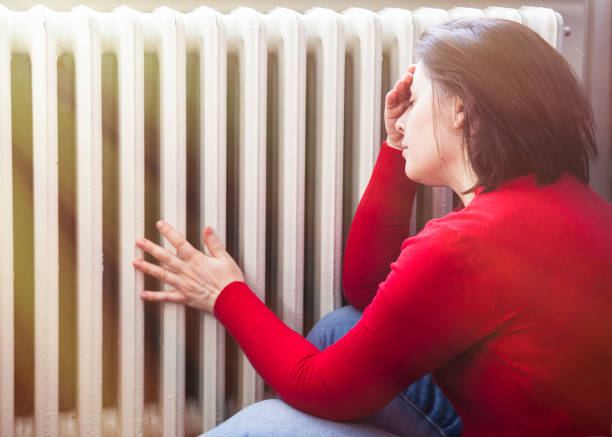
[{"x": 458, "y": 113}]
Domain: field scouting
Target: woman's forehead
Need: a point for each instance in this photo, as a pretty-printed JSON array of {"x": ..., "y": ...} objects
[{"x": 419, "y": 80}]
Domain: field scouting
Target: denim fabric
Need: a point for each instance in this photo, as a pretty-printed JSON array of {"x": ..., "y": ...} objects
[
  {"x": 421, "y": 404},
  {"x": 421, "y": 410},
  {"x": 275, "y": 418}
]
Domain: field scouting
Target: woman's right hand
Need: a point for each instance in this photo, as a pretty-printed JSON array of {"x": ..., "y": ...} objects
[{"x": 396, "y": 102}]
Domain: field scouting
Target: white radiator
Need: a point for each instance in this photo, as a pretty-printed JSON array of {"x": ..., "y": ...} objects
[{"x": 284, "y": 115}]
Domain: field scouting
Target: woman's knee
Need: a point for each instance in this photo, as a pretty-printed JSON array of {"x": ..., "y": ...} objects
[
  {"x": 253, "y": 420},
  {"x": 333, "y": 326},
  {"x": 269, "y": 418}
]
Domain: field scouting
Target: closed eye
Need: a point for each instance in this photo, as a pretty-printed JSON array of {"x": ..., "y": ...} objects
[{"x": 410, "y": 103}]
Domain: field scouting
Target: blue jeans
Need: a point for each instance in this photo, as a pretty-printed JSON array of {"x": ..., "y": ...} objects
[{"x": 421, "y": 410}]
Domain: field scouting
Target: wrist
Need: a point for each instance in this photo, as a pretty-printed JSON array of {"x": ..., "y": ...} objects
[{"x": 220, "y": 295}]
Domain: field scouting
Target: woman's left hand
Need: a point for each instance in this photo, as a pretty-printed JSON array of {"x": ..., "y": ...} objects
[{"x": 197, "y": 278}]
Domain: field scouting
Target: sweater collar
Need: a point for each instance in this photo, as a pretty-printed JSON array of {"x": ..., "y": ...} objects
[
  {"x": 527, "y": 180},
  {"x": 520, "y": 181}
]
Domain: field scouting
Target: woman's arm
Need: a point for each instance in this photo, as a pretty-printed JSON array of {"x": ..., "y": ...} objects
[
  {"x": 382, "y": 219},
  {"x": 380, "y": 225},
  {"x": 431, "y": 308}
]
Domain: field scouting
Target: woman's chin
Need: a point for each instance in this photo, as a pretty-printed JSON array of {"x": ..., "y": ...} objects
[
  {"x": 410, "y": 174},
  {"x": 417, "y": 176}
]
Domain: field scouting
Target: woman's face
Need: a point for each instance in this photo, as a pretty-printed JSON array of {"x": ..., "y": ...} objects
[{"x": 427, "y": 163}]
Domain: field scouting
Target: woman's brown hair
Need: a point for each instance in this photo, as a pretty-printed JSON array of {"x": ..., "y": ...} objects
[{"x": 525, "y": 110}]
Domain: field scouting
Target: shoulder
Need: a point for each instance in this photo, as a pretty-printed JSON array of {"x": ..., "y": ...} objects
[
  {"x": 432, "y": 235},
  {"x": 436, "y": 275},
  {"x": 449, "y": 252},
  {"x": 435, "y": 247}
]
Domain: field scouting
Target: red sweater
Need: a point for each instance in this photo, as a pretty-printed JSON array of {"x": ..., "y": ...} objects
[{"x": 507, "y": 301}]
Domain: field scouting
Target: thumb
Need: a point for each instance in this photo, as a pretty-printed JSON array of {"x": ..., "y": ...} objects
[{"x": 212, "y": 242}]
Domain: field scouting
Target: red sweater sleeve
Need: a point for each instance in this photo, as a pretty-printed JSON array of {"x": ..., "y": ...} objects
[
  {"x": 380, "y": 225},
  {"x": 421, "y": 317}
]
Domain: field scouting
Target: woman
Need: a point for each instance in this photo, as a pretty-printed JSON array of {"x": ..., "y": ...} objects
[{"x": 507, "y": 301}]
